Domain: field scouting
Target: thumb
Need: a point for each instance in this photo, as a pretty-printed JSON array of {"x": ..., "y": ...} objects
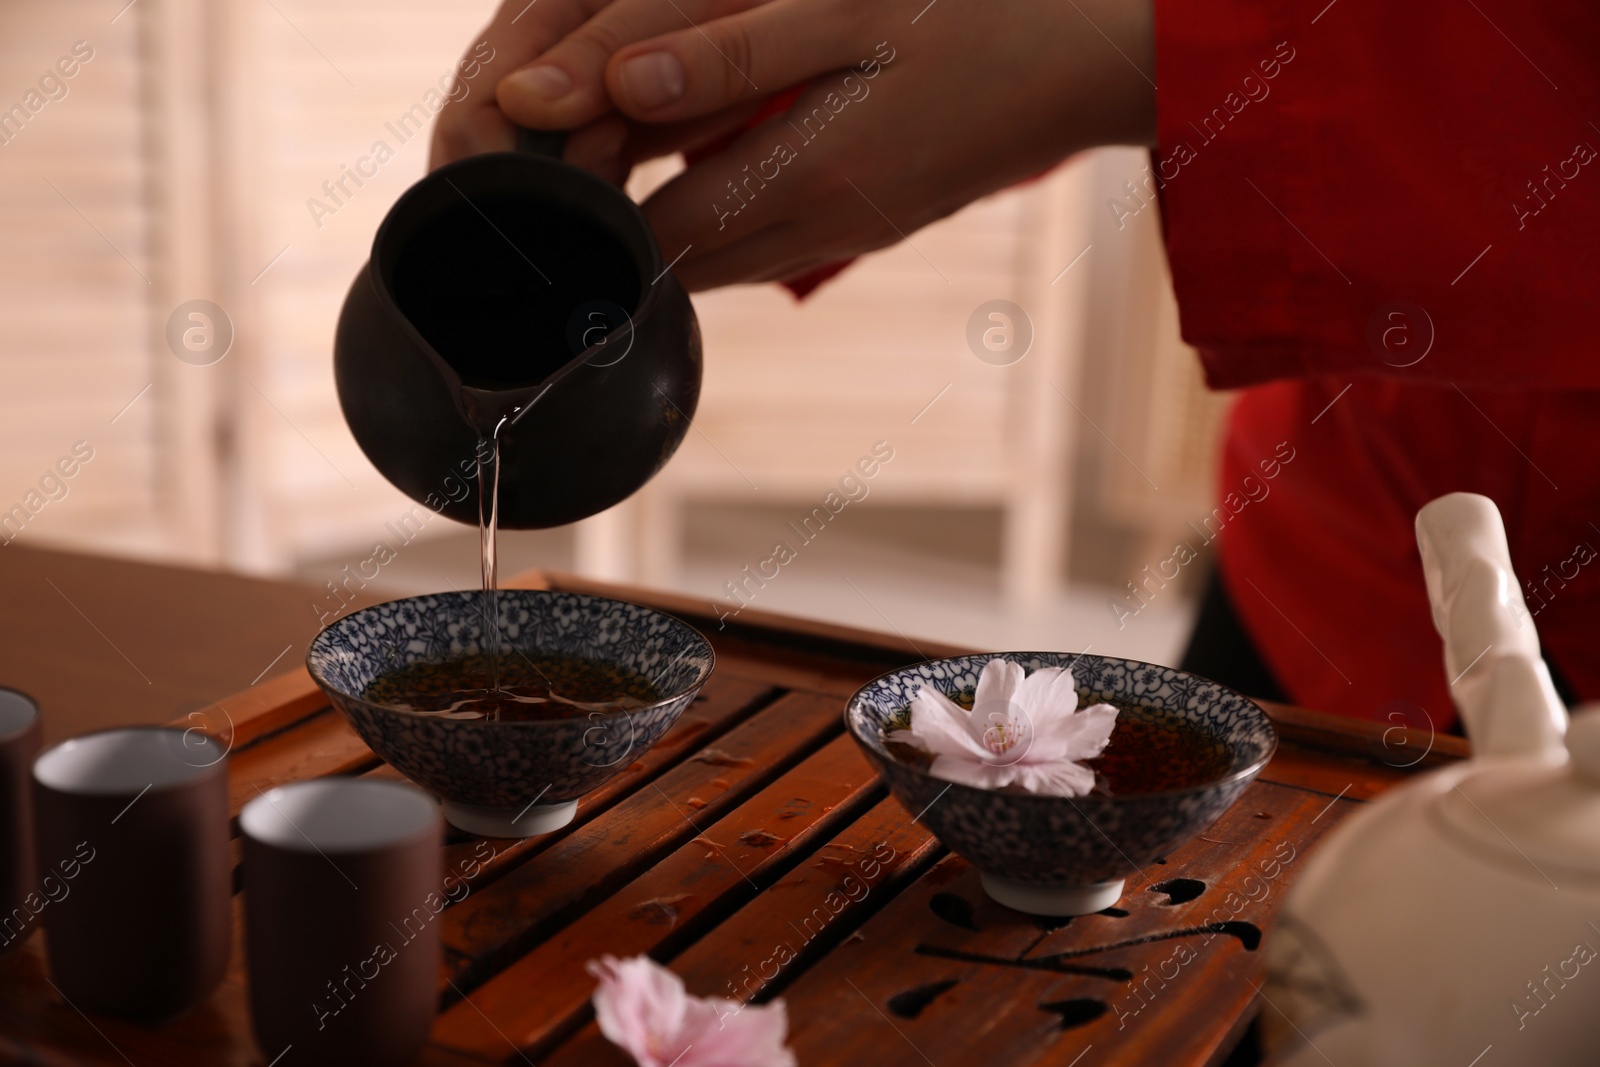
[{"x": 756, "y": 53}]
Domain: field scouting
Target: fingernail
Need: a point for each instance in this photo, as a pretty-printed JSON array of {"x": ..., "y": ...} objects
[
  {"x": 551, "y": 83},
  {"x": 653, "y": 79}
]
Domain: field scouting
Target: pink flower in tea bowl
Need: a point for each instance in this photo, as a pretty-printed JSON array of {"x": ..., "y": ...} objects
[
  {"x": 1023, "y": 730},
  {"x": 643, "y": 1009}
]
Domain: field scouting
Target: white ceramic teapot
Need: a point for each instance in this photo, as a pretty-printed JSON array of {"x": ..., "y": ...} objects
[{"x": 1456, "y": 920}]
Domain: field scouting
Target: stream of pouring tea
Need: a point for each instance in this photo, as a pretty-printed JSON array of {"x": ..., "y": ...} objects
[
  {"x": 503, "y": 682},
  {"x": 465, "y": 279},
  {"x": 488, "y": 529},
  {"x": 522, "y": 695}
]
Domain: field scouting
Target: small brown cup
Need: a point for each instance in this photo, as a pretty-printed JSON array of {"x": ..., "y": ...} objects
[
  {"x": 343, "y": 882},
  {"x": 136, "y": 822},
  {"x": 21, "y": 897}
]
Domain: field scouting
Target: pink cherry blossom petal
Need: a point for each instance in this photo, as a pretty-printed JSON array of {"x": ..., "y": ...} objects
[
  {"x": 1056, "y": 779},
  {"x": 740, "y": 1035},
  {"x": 996, "y": 710},
  {"x": 1050, "y": 690},
  {"x": 1079, "y": 736},
  {"x": 998, "y": 682},
  {"x": 640, "y": 1007},
  {"x": 976, "y": 773},
  {"x": 1023, "y": 730},
  {"x": 643, "y": 1009},
  {"x": 939, "y": 725}
]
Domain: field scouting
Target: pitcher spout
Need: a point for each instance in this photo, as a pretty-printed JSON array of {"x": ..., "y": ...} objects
[{"x": 487, "y": 410}]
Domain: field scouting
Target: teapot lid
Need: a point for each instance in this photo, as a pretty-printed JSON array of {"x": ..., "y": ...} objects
[{"x": 1542, "y": 815}]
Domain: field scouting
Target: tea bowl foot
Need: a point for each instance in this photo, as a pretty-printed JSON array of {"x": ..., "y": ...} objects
[
  {"x": 1043, "y": 900},
  {"x": 531, "y": 821}
]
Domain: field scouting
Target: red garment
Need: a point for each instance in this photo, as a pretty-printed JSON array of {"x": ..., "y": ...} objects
[{"x": 1350, "y": 189}]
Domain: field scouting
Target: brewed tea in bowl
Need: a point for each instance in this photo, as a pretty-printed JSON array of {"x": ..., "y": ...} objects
[
  {"x": 509, "y": 738},
  {"x": 1182, "y": 751}
]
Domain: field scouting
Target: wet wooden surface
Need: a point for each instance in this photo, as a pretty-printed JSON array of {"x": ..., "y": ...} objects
[{"x": 754, "y": 851}]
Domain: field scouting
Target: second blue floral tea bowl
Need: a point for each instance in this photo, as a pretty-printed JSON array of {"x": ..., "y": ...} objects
[
  {"x": 1061, "y": 855},
  {"x": 514, "y": 778}
]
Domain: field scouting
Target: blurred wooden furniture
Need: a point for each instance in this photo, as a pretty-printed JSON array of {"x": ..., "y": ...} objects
[
  {"x": 1154, "y": 470},
  {"x": 76, "y": 274},
  {"x": 731, "y": 839}
]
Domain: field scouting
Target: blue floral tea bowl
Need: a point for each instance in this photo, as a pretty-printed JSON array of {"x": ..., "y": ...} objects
[
  {"x": 512, "y": 778},
  {"x": 1056, "y": 855}
]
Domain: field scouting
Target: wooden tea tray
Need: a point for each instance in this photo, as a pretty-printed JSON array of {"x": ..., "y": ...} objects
[{"x": 755, "y": 852}]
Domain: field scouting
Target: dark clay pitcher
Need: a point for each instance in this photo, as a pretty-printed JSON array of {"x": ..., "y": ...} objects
[{"x": 517, "y": 294}]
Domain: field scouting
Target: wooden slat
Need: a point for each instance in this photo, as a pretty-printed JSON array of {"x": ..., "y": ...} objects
[
  {"x": 791, "y": 923},
  {"x": 855, "y": 873},
  {"x": 1384, "y": 742},
  {"x": 864, "y": 995},
  {"x": 246, "y": 717},
  {"x": 1333, "y": 775},
  {"x": 324, "y": 744},
  {"x": 720, "y": 868},
  {"x": 491, "y": 927}
]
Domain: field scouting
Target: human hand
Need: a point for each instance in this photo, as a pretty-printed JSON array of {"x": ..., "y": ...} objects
[
  {"x": 910, "y": 111},
  {"x": 549, "y": 59}
]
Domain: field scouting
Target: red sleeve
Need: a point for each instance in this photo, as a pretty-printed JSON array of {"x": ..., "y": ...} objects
[{"x": 1325, "y": 167}]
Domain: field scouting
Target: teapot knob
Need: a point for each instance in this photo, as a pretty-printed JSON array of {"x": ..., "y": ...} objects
[{"x": 1583, "y": 742}]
